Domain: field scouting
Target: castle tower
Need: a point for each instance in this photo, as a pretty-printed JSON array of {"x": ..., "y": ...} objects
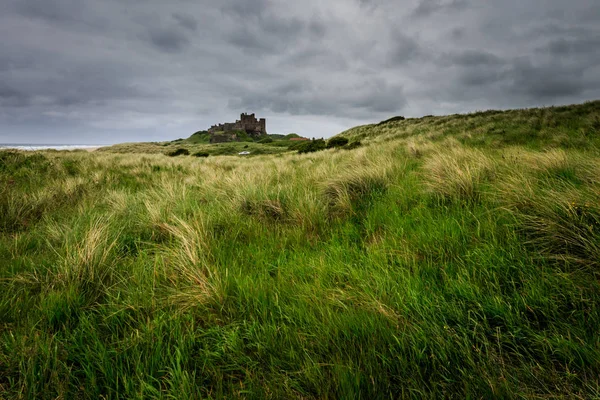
[{"x": 263, "y": 125}]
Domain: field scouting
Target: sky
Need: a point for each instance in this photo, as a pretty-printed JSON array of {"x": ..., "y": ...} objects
[{"x": 111, "y": 71}]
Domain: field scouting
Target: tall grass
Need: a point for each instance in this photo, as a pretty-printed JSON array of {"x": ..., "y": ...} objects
[{"x": 448, "y": 257}]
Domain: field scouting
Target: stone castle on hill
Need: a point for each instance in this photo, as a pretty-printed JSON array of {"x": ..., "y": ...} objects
[{"x": 247, "y": 123}]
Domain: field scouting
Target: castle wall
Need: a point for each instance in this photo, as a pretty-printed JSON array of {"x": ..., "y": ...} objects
[{"x": 247, "y": 123}]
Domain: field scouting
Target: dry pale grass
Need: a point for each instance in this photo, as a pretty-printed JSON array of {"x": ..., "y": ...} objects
[
  {"x": 561, "y": 222},
  {"x": 194, "y": 282},
  {"x": 89, "y": 259},
  {"x": 458, "y": 173}
]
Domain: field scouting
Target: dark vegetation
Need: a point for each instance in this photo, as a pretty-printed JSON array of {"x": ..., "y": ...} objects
[
  {"x": 179, "y": 152},
  {"x": 310, "y": 146},
  {"x": 393, "y": 119},
  {"x": 337, "y": 141}
]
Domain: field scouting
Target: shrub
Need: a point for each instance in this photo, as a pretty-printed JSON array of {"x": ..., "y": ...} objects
[
  {"x": 265, "y": 140},
  {"x": 353, "y": 145},
  {"x": 393, "y": 119},
  {"x": 179, "y": 152},
  {"x": 201, "y": 154},
  {"x": 337, "y": 141},
  {"x": 312, "y": 146}
]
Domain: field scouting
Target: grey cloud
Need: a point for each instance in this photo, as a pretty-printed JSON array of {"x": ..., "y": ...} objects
[
  {"x": 187, "y": 21},
  {"x": 51, "y": 10},
  {"x": 169, "y": 40},
  {"x": 429, "y": 7},
  {"x": 315, "y": 57},
  {"x": 302, "y": 98},
  {"x": 10, "y": 97},
  {"x": 266, "y": 32},
  {"x": 457, "y": 33},
  {"x": 250, "y": 40},
  {"x": 317, "y": 28},
  {"x": 572, "y": 47},
  {"x": 79, "y": 14},
  {"x": 481, "y": 77},
  {"x": 403, "y": 49},
  {"x": 475, "y": 58},
  {"x": 245, "y": 9},
  {"x": 546, "y": 81}
]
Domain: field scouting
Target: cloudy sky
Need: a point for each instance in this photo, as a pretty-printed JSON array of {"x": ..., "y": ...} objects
[{"x": 107, "y": 71}]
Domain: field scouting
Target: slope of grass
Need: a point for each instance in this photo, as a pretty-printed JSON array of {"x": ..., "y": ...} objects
[
  {"x": 576, "y": 126},
  {"x": 424, "y": 264}
]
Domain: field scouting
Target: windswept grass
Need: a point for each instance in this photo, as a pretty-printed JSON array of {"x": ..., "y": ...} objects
[{"x": 447, "y": 257}]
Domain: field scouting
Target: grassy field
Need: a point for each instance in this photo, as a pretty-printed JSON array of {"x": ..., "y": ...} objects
[
  {"x": 448, "y": 257},
  {"x": 199, "y": 142}
]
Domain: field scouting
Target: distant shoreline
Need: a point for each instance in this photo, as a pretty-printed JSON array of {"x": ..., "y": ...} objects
[{"x": 36, "y": 147}]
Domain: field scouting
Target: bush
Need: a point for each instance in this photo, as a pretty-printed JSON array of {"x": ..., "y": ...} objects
[
  {"x": 393, "y": 119},
  {"x": 337, "y": 141},
  {"x": 201, "y": 154},
  {"x": 265, "y": 140},
  {"x": 179, "y": 152},
  {"x": 312, "y": 146},
  {"x": 353, "y": 145}
]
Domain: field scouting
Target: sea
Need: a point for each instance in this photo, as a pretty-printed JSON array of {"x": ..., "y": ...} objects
[{"x": 34, "y": 147}]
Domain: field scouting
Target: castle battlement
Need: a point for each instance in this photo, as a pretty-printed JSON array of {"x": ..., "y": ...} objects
[{"x": 247, "y": 123}]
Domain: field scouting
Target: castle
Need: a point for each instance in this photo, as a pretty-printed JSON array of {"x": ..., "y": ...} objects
[{"x": 247, "y": 123}]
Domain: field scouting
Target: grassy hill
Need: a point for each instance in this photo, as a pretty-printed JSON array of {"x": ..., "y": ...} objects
[
  {"x": 574, "y": 126},
  {"x": 447, "y": 257},
  {"x": 199, "y": 142}
]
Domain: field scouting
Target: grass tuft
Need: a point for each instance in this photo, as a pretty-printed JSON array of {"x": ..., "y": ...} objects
[{"x": 459, "y": 174}]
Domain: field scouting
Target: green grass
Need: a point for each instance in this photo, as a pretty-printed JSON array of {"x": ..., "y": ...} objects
[
  {"x": 200, "y": 142},
  {"x": 217, "y": 149},
  {"x": 438, "y": 260}
]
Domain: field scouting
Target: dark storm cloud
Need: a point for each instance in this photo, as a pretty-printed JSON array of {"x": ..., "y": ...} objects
[
  {"x": 547, "y": 81},
  {"x": 302, "y": 98},
  {"x": 187, "y": 21},
  {"x": 403, "y": 49},
  {"x": 567, "y": 47},
  {"x": 77, "y": 14},
  {"x": 475, "y": 58},
  {"x": 51, "y": 10},
  {"x": 245, "y": 9},
  {"x": 10, "y": 97},
  {"x": 257, "y": 30},
  {"x": 123, "y": 70},
  {"x": 428, "y": 7},
  {"x": 170, "y": 40}
]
